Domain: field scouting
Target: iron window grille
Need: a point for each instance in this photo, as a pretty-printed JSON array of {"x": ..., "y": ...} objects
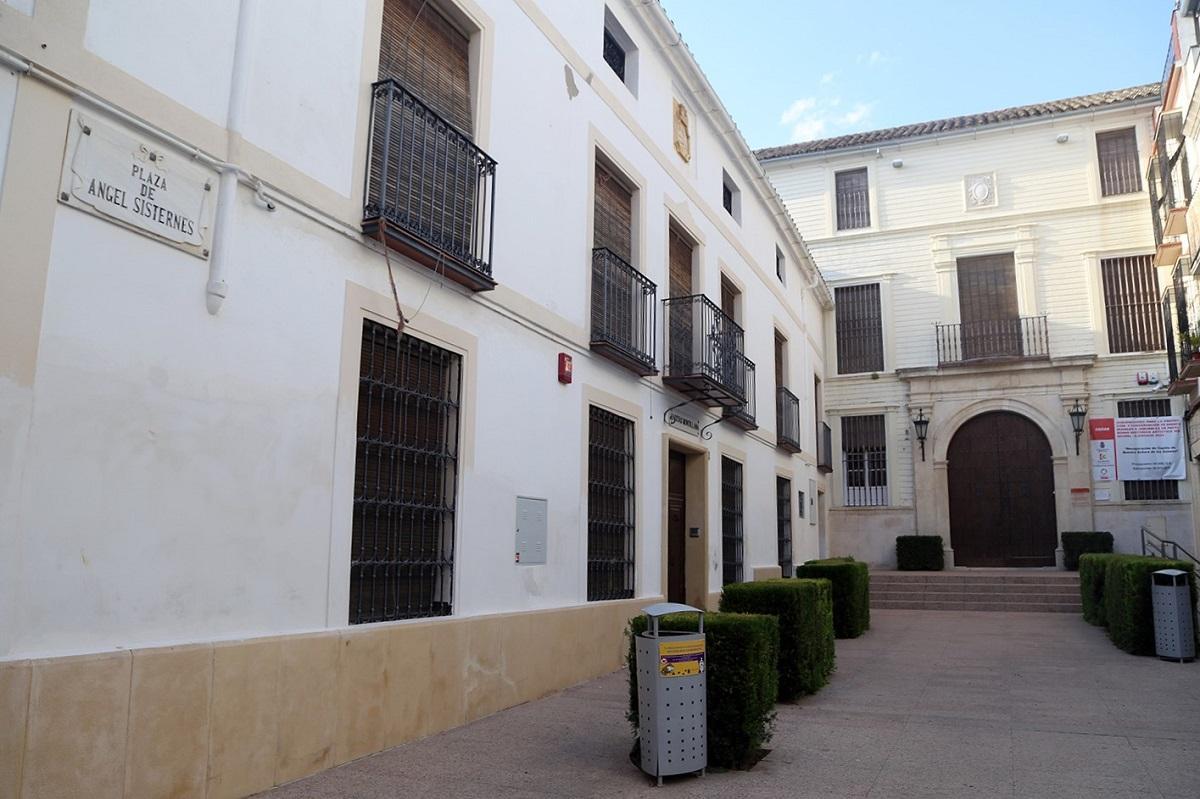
[
  {"x": 1147, "y": 489},
  {"x": 614, "y": 54},
  {"x": 624, "y": 304},
  {"x": 783, "y": 510},
  {"x": 853, "y": 199},
  {"x": 1120, "y": 171},
  {"x": 1135, "y": 322},
  {"x": 731, "y": 521},
  {"x": 405, "y": 475},
  {"x": 429, "y": 187},
  {"x": 864, "y": 459},
  {"x": 611, "y": 508},
  {"x": 859, "y": 328}
]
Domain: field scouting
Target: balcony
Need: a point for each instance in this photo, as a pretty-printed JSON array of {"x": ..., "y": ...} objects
[
  {"x": 624, "y": 302},
  {"x": 824, "y": 448},
  {"x": 1018, "y": 339},
  {"x": 430, "y": 192},
  {"x": 787, "y": 420},
  {"x": 743, "y": 415},
  {"x": 705, "y": 352},
  {"x": 1182, "y": 331},
  {"x": 1170, "y": 185}
]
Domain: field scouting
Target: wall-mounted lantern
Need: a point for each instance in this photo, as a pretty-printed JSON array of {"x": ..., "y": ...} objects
[
  {"x": 1078, "y": 413},
  {"x": 921, "y": 425}
]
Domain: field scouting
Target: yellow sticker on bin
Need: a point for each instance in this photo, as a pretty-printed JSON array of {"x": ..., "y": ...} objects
[{"x": 681, "y": 658}]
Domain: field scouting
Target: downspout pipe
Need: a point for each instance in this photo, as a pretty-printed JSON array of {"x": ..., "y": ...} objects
[{"x": 217, "y": 289}]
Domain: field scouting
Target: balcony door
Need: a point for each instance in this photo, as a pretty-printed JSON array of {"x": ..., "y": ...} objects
[
  {"x": 613, "y": 289},
  {"x": 988, "y": 309},
  {"x": 680, "y": 323}
]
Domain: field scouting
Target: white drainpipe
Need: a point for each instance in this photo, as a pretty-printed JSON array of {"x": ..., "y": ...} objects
[{"x": 217, "y": 289}]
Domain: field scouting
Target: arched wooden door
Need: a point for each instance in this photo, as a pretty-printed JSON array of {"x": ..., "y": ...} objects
[{"x": 1001, "y": 487}]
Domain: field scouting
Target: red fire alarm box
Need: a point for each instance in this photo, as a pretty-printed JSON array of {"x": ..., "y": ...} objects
[{"x": 564, "y": 368}]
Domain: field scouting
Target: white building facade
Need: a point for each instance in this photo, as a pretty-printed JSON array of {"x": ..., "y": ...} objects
[
  {"x": 992, "y": 274},
  {"x": 271, "y": 500}
]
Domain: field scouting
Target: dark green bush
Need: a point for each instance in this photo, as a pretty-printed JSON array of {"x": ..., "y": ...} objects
[
  {"x": 851, "y": 586},
  {"x": 1128, "y": 610},
  {"x": 805, "y": 611},
  {"x": 925, "y": 553},
  {"x": 1091, "y": 586},
  {"x": 1076, "y": 544},
  {"x": 740, "y": 662}
]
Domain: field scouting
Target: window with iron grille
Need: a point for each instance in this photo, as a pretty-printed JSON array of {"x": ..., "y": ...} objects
[
  {"x": 1120, "y": 172},
  {"x": 864, "y": 459},
  {"x": 853, "y": 199},
  {"x": 783, "y": 511},
  {"x": 780, "y": 266},
  {"x": 731, "y": 521},
  {"x": 611, "y": 508},
  {"x": 405, "y": 472},
  {"x": 614, "y": 54},
  {"x": 1131, "y": 304},
  {"x": 859, "y": 329},
  {"x": 1147, "y": 489},
  {"x": 800, "y": 505}
]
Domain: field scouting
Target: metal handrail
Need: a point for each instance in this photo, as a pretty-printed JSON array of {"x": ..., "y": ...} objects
[{"x": 1157, "y": 547}]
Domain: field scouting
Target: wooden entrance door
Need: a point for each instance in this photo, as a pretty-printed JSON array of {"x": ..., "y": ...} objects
[
  {"x": 1001, "y": 491},
  {"x": 676, "y": 528}
]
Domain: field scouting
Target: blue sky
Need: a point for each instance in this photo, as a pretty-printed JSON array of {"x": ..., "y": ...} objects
[{"x": 790, "y": 70}]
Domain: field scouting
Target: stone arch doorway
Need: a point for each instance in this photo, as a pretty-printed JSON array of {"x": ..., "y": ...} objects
[{"x": 1000, "y": 478}]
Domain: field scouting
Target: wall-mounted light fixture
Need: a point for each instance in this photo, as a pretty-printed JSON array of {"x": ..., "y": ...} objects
[
  {"x": 1063, "y": 138},
  {"x": 899, "y": 162},
  {"x": 1077, "y": 413},
  {"x": 921, "y": 425}
]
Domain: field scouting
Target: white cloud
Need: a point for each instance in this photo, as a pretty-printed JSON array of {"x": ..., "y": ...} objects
[
  {"x": 827, "y": 78},
  {"x": 873, "y": 58},
  {"x": 812, "y": 118}
]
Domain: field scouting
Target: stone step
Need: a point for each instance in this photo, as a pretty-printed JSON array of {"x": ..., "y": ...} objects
[
  {"x": 1009, "y": 607},
  {"x": 982, "y": 588},
  {"x": 1056, "y": 578},
  {"x": 972, "y": 596}
]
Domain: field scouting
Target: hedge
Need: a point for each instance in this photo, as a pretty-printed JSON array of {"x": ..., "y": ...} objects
[
  {"x": 851, "y": 593},
  {"x": 1076, "y": 544},
  {"x": 920, "y": 553},
  {"x": 1091, "y": 585},
  {"x": 741, "y": 651},
  {"x": 805, "y": 611},
  {"x": 1128, "y": 609}
]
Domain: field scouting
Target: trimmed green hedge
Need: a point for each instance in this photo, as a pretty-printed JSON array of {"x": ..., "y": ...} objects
[
  {"x": 851, "y": 586},
  {"x": 805, "y": 611},
  {"x": 1076, "y": 544},
  {"x": 740, "y": 661},
  {"x": 1091, "y": 585},
  {"x": 1128, "y": 609},
  {"x": 924, "y": 553}
]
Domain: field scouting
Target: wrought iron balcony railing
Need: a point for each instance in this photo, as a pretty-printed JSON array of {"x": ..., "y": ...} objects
[
  {"x": 429, "y": 189},
  {"x": 1182, "y": 323},
  {"x": 623, "y": 308},
  {"x": 824, "y": 448},
  {"x": 705, "y": 352},
  {"x": 1019, "y": 338},
  {"x": 1169, "y": 182},
  {"x": 743, "y": 416},
  {"x": 787, "y": 420}
]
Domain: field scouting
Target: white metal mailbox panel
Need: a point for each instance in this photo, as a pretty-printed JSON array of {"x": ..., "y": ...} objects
[{"x": 531, "y": 530}]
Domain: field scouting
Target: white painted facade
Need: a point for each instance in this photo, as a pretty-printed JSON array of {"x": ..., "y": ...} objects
[
  {"x": 1047, "y": 210},
  {"x": 171, "y": 476}
]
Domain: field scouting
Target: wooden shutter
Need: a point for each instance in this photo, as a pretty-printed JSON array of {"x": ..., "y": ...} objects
[
  {"x": 780, "y": 350},
  {"x": 859, "y": 329},
  {"x": 612, "y": 219},
  {"x": 1131, "y": 306},
  {"x": 1120, "y": 172},
  {"x": 853, "y": 199},
  {"x": 987, "y": 302},
  {"x": 429, "y": 56},
  {"x": 680, "y": 258},
  {"x": 729, "y": 299}
]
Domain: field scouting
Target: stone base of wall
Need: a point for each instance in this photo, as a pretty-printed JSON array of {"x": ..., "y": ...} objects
[
  {"x": 236, "y": 717},
  {"x": 869, "y": 534}
]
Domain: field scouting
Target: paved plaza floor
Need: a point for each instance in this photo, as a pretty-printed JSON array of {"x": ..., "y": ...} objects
[{"x": 926, "y": 704}]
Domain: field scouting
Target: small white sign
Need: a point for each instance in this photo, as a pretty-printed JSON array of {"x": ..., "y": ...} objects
[
  {"x": 1151, "y": 448},
  {"x": 681, "y": 421},
  {"x": 138, "y": 183}
]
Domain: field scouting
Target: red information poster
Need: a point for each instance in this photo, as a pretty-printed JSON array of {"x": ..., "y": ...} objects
[{"x": 1103, "y": 436}]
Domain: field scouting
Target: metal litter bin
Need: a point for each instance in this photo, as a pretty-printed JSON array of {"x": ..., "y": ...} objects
[
  {"x": 1174, "y": 636},
  {"x": 672, "y": 698}
]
